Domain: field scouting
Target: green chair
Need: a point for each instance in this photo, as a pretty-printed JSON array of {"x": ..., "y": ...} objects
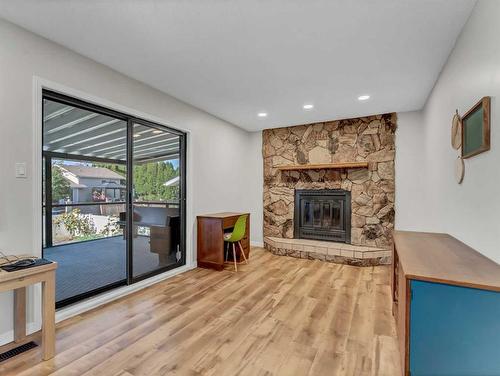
[{"x": 235, "y": 237}]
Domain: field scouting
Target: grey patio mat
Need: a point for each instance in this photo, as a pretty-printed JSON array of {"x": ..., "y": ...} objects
[{"x": 89, "y": 265}]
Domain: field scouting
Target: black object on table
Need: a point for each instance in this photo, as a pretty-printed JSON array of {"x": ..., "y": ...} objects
[{"x": 24, "y": 264}]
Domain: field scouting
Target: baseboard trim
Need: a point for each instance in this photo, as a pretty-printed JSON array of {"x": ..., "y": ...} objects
[
  {"x": 257, "y": 244},
  {"x": 31, "y": 327},
  {"x": 109, "y": 296}
]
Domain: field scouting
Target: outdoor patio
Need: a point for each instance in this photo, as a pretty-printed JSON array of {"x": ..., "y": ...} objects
[{"x": 86, "y": 266}]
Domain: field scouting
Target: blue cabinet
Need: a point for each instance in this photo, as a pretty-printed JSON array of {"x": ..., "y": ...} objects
[
  {"x": 446, "y": 303},
  {"x": 454, "y": 330}
]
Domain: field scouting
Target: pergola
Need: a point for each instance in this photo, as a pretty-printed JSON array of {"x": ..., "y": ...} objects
[{"x": 76, "y": 131}]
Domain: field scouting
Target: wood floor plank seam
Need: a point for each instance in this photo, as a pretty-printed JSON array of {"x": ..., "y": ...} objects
[
  {"x": 276, "y": 316},
  {"x": 226, "y": 296}
]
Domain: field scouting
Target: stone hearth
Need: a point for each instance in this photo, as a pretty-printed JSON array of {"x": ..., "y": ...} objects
[
  {"x": 328, "y": 251},
  {"x": 368, "y": 139}
]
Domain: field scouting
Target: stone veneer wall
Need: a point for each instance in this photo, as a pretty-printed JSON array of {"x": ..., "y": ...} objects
[{"x": 370, "y": 139}]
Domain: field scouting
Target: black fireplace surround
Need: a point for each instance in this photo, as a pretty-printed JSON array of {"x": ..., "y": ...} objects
[{"x": 323, "y": 214}]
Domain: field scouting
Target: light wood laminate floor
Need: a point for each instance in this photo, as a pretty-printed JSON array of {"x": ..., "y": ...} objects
[{"x": 276, "y": 316}]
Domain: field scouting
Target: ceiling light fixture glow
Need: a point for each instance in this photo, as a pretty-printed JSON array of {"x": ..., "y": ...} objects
[
  {"x": 363, "y": 97},
  {"x": 262, "y": 114},
  {"x": 308, "y": 107}
]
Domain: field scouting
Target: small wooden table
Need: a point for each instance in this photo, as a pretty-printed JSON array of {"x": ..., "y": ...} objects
[
  {"x": 18, "y": 281},
  {"x": 211, "y": 238}
]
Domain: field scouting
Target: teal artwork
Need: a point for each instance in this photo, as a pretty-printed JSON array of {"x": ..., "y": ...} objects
[
  {"x": 476, "y": 129},
  {"x": 473, "y": 131}
]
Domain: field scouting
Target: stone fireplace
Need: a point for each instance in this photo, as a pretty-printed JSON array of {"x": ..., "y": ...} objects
[
  {"x": 369, "y": 141},
  {"x": 322, "y": 214}
]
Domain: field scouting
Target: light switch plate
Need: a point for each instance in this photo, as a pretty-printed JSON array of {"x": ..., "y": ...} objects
[{"x": 21, "y": 170}]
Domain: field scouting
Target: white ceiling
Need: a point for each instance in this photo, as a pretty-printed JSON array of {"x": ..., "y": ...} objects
[{"x": 236, "y": 58}]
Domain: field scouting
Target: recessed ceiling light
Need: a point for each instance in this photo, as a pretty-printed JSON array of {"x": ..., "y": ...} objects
[
  {"x": 137, "y": 135},
  {"x": 157, "y": 131},
  {"x": 262, "y": 114},
  {"x": 363, "y": 97},
  {"x": 308, "y": 106}
]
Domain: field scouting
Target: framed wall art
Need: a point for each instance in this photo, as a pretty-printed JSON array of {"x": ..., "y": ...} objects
[{"x": 476, "y": 129}]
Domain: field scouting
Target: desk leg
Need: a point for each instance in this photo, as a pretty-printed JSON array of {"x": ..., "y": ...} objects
[
  {"x": 19, "y": 314},
  {"x": 49, "y": 317}
]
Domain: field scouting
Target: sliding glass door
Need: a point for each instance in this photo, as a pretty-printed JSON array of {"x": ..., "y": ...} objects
[
  {"x": 113, "y": 197},
  {"x": 84, "y": 195},
  {"x": 157, "y": 199}
]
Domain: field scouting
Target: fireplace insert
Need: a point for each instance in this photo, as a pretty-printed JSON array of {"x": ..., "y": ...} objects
[{"x": 323, "y": 214}]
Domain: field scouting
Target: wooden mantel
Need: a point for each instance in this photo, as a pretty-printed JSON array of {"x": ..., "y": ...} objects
[{"x": 339, "y": 165}]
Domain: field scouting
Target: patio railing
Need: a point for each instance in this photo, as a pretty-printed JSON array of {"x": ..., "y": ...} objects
[{"x": 77, "y": 222}]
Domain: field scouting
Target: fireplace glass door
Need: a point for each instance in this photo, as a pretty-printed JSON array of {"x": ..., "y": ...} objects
[
  {"x": 319, "y": 213},
  {"x": 322, "y": 215}
]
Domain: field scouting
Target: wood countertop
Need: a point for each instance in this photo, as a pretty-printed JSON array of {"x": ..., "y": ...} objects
[{"x": 441, "y": 258}]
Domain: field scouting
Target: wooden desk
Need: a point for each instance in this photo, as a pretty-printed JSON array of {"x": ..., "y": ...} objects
[
  {"x": 211, "y": 239},
  {"x": 18, "y": 281},
  {"x": 446, "y": 301}
]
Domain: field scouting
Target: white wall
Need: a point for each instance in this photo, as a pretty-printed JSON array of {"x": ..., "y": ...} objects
[
  {"x": 470, "y": 211},
  {"x": 255, "y": 176},
  {"x": 410, "y": 185},
  {"x": 225, "y": 161}
]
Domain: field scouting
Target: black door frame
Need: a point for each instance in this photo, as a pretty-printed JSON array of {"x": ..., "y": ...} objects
[
  {"x": 130, "y": 120},
  {"x": 130, "y": 200}
]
